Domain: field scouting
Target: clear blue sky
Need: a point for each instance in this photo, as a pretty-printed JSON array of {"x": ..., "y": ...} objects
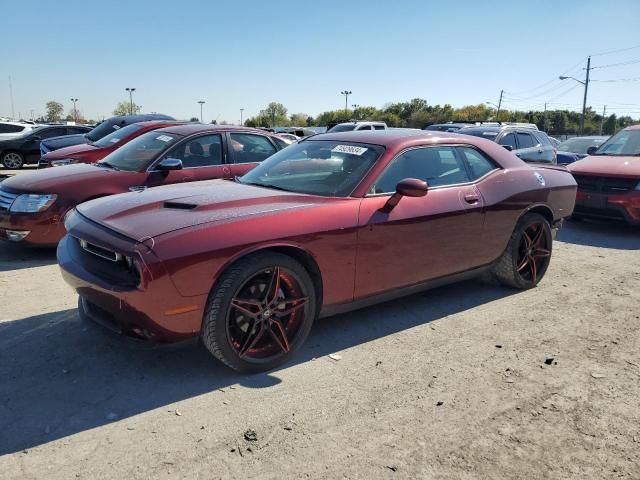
[{"x": 302, "y": 54}]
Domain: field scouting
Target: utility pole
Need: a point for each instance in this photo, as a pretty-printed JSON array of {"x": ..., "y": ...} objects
[
  {"x": 545, "y": 117},
  {"x": 604, "y": 112},
  {"x": 241, "y": 122},
  {"x": 584, "y": 102},
  {"x": 499, "y": 105},
  {"x": 346, "y": 94}
]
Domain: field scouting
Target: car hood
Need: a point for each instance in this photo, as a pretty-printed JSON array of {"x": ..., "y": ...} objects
[
  {"x": 68, "y": 152},
  {"x": 54, "y": 143},
  {"x": 608, "y": 165},
  {"x": 56, "y": 179},
  {"x": 153, "y": 212}
]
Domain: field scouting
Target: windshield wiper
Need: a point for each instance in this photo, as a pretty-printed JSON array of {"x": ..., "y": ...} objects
[
  {"x": 265, "y": 185},
  {"x": 107, "y": 165}
]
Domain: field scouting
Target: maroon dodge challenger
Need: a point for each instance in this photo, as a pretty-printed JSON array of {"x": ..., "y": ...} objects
[{"x": 335, "y": 222}]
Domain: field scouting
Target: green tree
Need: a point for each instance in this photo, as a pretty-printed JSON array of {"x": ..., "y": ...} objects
[
  {"x": 609, "y": 127},
  {"x": 54, "y": 111},
  {"x": 299, "y": 119},
  {"x": 125, "y": 108},
  {"x": 275, "y": 114}
]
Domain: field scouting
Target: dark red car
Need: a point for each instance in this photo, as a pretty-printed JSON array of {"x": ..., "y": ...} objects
[
  {"x": 332, "y": 223},
  {"x": 33, "y": 206},
  {"x": 609, "y": 179},
  {"x": 92, "y": 152}
]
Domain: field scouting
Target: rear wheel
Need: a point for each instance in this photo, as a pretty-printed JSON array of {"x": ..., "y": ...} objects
[
  {"x": 259, "y": 312},
  {"x": 12, "y": 160},
  {"x": 527, "y": 256}
]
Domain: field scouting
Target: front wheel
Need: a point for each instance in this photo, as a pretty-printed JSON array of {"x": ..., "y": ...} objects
[
  {"x": 12, "y": 160},
  {"x": 259, "y": 312},
  {"x": 527, "y": 256}
]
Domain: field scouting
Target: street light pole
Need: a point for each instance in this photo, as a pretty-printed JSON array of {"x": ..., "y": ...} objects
[
  {"x": 241, "y": 121},
  {"x": 75, "y": 112},
  {"x": 130, "y": 90},
  {"x": 201, "y": 102},
  {"x": 586, "y": 88},
  {"x": 346, "y": 94},
  {"x": 604, "y": 112}
]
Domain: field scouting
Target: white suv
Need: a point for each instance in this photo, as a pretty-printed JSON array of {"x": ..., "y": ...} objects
[
  {"x": 14, "y": 129},
  {"x": 351, "y": 126}
]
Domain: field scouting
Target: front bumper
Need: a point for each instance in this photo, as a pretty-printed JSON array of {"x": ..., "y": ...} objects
[
  {"x": 153, "y": 310},
  {"x": 624, "y": 207},
  {"x": 45, "y": 228}
]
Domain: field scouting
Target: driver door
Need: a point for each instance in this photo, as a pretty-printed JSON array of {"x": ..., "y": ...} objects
[
  {"x": 202, "y": 159},
  {"x": 422, "y": 238}
]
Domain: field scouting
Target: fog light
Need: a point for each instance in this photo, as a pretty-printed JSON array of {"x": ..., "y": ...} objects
[{"x": 15, "y": 235}]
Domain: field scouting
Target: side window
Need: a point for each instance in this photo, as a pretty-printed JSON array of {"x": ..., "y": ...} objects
[
  {"x": 202, "y": 151},
  {"x": 542, "y": 138},
  {"x": 378, "y": 127},
  {"x": 281, "y": 143},
  {"x": 250, "y": 148},
  {"x": 478, "y": 163},
  {"x": 52, "y": 132},
  {"x": 8, "y": 128},
  {"x": 365, "y": 127},
  {"x": 439, "y": 166},
  {"x": 525, "y": 140},
  {"x": 509, "y": 139}
]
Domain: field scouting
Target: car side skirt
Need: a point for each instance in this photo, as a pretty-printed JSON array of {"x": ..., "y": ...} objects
[{"x": 331, "y": 310}]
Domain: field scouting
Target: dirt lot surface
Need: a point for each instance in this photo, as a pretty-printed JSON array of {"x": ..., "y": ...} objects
[{"x": 448, "y": 384}]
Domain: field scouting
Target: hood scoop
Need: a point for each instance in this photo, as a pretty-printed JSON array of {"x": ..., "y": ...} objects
[{"x": 179, "y": 205}]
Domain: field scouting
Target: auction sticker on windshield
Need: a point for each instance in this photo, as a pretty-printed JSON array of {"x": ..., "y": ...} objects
[
  {"x": 164, "y": 138},
  {"x": 349, "y": 149}
]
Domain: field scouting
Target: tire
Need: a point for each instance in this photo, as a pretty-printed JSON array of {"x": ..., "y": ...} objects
[
  {"x": 254, "y": 322},
  {"x": 524, "y": 262},
  {"x": 13, "y": 160}
]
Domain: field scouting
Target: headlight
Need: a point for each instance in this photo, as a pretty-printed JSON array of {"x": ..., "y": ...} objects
[
  {"x": 32, "y": 203},
  {"x": 64, "y": 161}
]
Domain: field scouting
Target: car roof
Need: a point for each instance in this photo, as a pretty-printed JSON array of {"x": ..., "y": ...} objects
[
  {"x": 139, "y": 117},
  {"x": 193, "y": 128},
  {"x": 633, "y": 127},
  {"x": 394, "y": 137}
]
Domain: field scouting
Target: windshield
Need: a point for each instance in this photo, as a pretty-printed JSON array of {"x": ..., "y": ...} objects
[
  {"x": 626, "y": 142},
  {"x": 342, "y": 128},
  {"x": 135, "y": 155},
  {"x": 105, "y": 128},
  {"x": 117, "y": 136},
  {"x": 579, "y": 145},
  {"x": 318, "y": 167}
]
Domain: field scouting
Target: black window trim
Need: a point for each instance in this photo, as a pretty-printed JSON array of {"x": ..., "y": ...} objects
[{"x": 455, "y": 147}]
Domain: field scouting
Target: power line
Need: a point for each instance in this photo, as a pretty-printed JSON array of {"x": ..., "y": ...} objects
[
  {"x": 615, "y": 51},
  {"x": 634, "y": 79},
  {"x": 554, "y": 79},
  {"x": 621, "y": 64}
]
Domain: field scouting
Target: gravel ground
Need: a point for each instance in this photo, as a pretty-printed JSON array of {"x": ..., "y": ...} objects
[{"x": 468, "y": 381}]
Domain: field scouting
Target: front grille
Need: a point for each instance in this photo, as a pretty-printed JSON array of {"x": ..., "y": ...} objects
[
  {"x": 605, "y": 184},
  {"x": 6, "y": 199}
]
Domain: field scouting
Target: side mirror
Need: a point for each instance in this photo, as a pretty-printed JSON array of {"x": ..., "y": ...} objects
[
  {"x": 36, "y": 138},
  {"x": 591, "y": 150},
  {"x": 169, "y": 164},
  {"x": 509, "y": 148},
  {"x": 409, "y": 187}
]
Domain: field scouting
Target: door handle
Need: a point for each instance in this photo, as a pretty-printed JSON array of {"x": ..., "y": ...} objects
[
  {"x": 540, "y": 151},
  {"x": 518, "y": 154},
  {"x": 471, "y": 198}
]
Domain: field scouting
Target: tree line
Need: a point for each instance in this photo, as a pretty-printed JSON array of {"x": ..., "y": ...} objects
[{"x": 417, "y": 113}]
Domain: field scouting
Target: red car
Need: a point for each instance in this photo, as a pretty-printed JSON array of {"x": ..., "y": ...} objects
[
  {"x": 609, "y": 179},
  {"x": 92, "y": 152},
  {"x": 33, "y": 206},
  {"x": 249, "y": 265}
]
